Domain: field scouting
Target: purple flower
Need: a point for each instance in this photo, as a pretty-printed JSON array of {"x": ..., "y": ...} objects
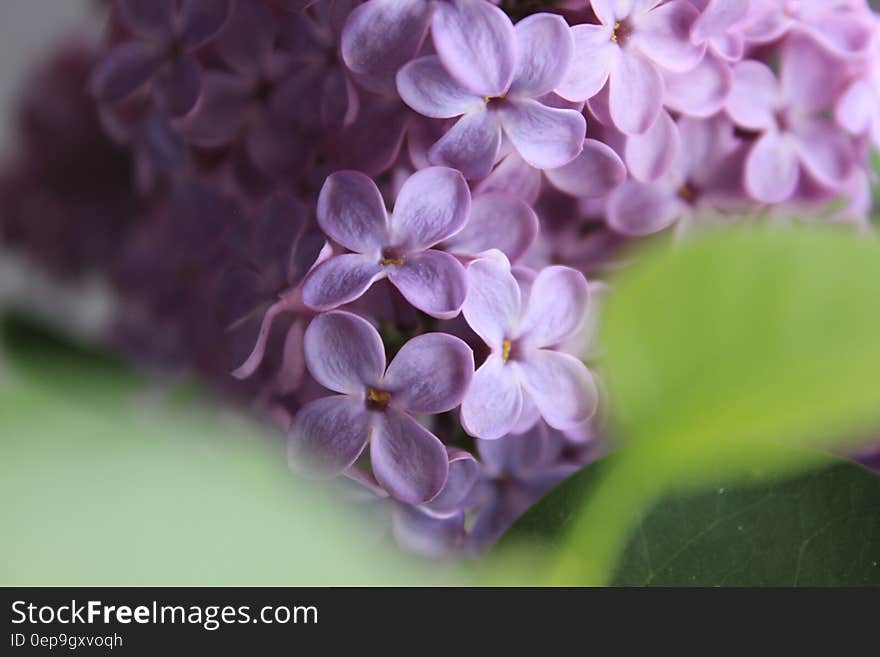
[
  {"x": 432, "y": 206},
  {"x": 525, "y": 377},
  {"x": 704, "y": 177},
  {"x": 165, "y": 38},
  {"x": 502, "y": 101},
  {"x": 634, "y": 42},
  {"x": 430, "y": 374},
  {"x": 498, "y": 220},
  {"x": 789, "y": 115},
  {"x": 858, "y": 109},
  {"x": 382, "y": 35},
  {"x": 842, "y": 27},
  {"x": 720, "y": 27}
]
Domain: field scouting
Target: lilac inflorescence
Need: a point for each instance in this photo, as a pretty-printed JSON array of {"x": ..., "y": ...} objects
[{"x": 321, "y": 187}]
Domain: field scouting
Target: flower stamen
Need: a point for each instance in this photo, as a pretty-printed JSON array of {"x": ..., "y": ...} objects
[
  {"x": 378, "y": 400},
  {"x": 506, "y": 346}
]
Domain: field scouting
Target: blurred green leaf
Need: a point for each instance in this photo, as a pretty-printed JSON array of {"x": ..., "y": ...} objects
[
  {"x": 107, "y": 480},
  {"x": 821, "y": 528},
  {"x": 718, "y": 351}
]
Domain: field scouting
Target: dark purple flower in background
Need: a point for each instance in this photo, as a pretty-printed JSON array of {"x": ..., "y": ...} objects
[
  {"x": 430, "y": 374},
  {"x": 166, "y": 36}
]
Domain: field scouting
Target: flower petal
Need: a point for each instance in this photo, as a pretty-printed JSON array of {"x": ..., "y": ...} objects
[
  {"x": 177, "y": 86},
  {"x": 430, "y": 374},
  {"x": 561, "y": 387},
  {"x": 381, "y": 35},
  {"x": 471, "y": 145},
  {"x": 546, "y": 137},
  {"x": 595, "y": 172},
  {"x": 494, "y": 401},
  {"x": 591, "y": 61},
  {"x": 217, "y": 118},
  {"x": 202, "y": 19},
  {"x": 811, "y": 79},
  {"x": 498, "y": 220},
  {"x": 432, "y": 281},
  {"x": 153, "y": 19},
  {"x": 492, "y": 306},
  {"x": 464, "y": 470},
  {"x": 664, "y": 35},
  {"x": 340, "y": 280},
  {"x": 544, "y": 48},
  {"x": 637, "y": 208},
  {"x": 477, "y": 44},
  {"x": 513, "y": 175},
  {"x": 123, "y": 71},
  {"x": 717, "y": 18},
  {"x": 772, "y": 169},
  {"x": 351, "y": 212},
  {"x": 702, "y": 91},
  {"x": 635, "y": 93},
  {"x": 826, "y": 152},
  {"x": 408, "y": 460},
  {"x": 248, "y": 37},
  {"x": 557, "y": 307},
  {"x": 651, "y": 154},
  {"x": 754, "y": 95},
  {"x": 344, "y": 352},
  {"x": 433, "y": 204},
  {"x": 427, "y": 87},
  {"x": 327, "y": 436}
]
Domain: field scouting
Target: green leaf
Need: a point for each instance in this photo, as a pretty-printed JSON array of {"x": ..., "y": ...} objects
[
  {"x": 107, "y": 480},
  {"x": 821, "y": 528}
]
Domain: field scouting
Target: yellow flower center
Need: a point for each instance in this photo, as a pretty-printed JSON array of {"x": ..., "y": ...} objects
[
  {"x": 505, "y": 350},
  {"x": 392, "y": 261},
  {"x": 378, "y": 400}
]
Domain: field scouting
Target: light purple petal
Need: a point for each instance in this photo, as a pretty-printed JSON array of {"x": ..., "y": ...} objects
[
  {"x": 340, "y": 280},
  {"x": 702, "y": 91},
  {"x": 561, "y": 387},
  {"x": 123, "y": 71},
  {"x": 202, "y": 19},
  {"x": 463, "y": 474},
  {"x": 381, "y": 35},
  {"x": 177, "y": 85},
  {"x": 327, "y": 436},
  {"x": 810, "y": 78},
  {"x": 517, "y": 453},
  {"x": 492, "y": 307},
  {"x": 217, "y": 118},
  {"x": 494, "y": 401},
  {"x": 424, "y": 85},
  {"x": 344, "y": 352},
  {"x": 591, "y": 62},
  {"x": 544, "y": 48},
  {"x": 557, "y": 307},
  {"x": 857, "y": 106},
  {"x": 430, "y": 374},
  {"x": 432, "y": 281},
  {"x": 635, "y": 93},
  {"x": 408, "y": 460},
  {"x": 608, "y": 11},
  {"x": 845, "y": 34},
  {"x": 754, "y": 96},
  {"x": 152, "y": 19},
  {"x": 433, "y": 204},
  {"x": 637, "y": 208},
  {"x": 772, "y": 168},
  {"x": 826, "y": 152},
  {"x": 428, "y": 535},
  {"x": 651, "y": 154},
  {"x": 663, "y": 34},
  {"x": 545, "y": 137},
  {"x": 717, "y": 19},
  {"x": 498, "y": 220},
  {"x": 595, "y": 172},
  {"x": 471, "y": 145},
  {"x": 351, "y": 212},
  {"x": 476, "y": 43},
  {"x": 513, "y": 175},
  {"x": 248, "y": 37}
]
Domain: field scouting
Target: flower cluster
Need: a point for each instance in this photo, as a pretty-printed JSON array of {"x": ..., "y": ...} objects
[{"x": 389, "y": 219}]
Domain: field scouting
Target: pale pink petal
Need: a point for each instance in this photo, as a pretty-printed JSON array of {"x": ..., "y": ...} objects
[
  {"x": 663, "y": 34},
  {"x": 826, "y": 152},
  {"x": 772, "y": 168},
  {"x": 702, "y": 91},
  {"x": 637, "y": 208},
  {"x": 493, "y": 403},
  {"x": 651, "y": 154},
  {"x": 635, "y": 93},
  {"x": 754, "y": 96},
  {"x": 591, "y": 62}
]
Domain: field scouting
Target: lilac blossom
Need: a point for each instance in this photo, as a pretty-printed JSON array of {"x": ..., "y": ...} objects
[
  {"x": 788, "y": 113},
  {"x": 433, "y": 205},
  {"x": 524, "y": 377},
  {"x": 161, "y": 53},
  {"x": 721, "y": 26},
  {"x": 858, "y": 108},
  {"x": 497, "y": 220},
  {"x": 630, "y": 47},
  {"x": 430, "y": 374},
  {"x": 500, "y": 102}
]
